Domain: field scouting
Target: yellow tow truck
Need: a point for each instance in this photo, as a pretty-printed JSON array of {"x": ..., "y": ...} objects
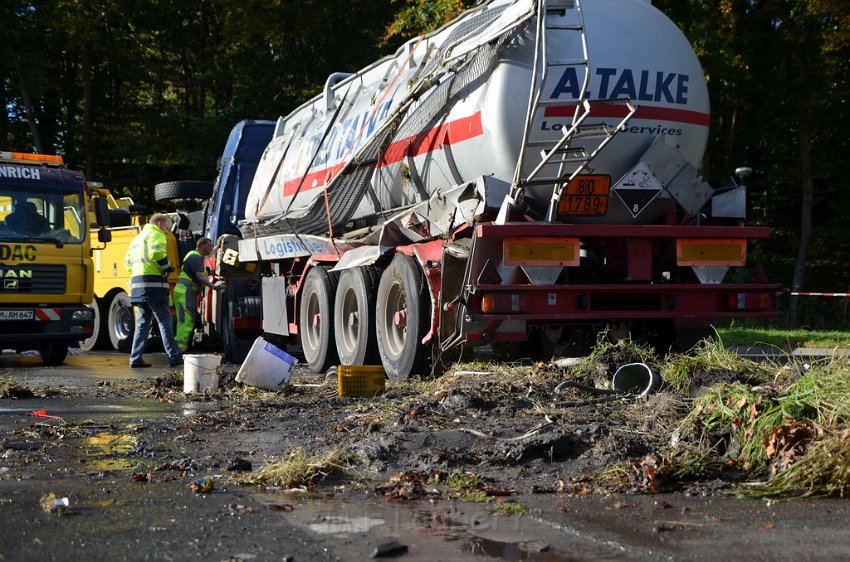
[
  {"x": 47, "y": 217},
  {"x": 113, "y": 320}
]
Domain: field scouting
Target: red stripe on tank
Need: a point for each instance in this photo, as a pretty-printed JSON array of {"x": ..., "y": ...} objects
[
  {"x": 644, "y": 112},
  {"x": 449, "y": 133},
  {"x": 452, "y": 132}
]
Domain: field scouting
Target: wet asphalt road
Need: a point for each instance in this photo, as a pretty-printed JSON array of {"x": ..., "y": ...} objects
[{"x": 113, "y": 517}]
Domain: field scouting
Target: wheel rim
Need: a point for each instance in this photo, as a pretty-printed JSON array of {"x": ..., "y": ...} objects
[
  {"x": 123, "y": 321},
  {"x": 553, "y": 334},
  {"x": 313, "y": 329},
  {"x": 395, "y": 320},
  {"x": 349, "y": 335}
]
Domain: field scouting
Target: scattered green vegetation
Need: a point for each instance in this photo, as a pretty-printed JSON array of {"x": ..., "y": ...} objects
[
  {"x": 626, "y": 349},
  {"x": 507, "y": 509},
  {"x": 10, "y": 388},
  {"x": 475, "y": 496},
  {"x": 463, "y": 480},
  {"x": 678, "y": 369},
  {"x": 467, "y": 485},
  {"x": 784, "y": 339}
]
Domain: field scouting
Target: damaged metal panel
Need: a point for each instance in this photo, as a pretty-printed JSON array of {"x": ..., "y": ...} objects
[
  {"x": 730, "y": 204},
  {"x": 678, "y": 176}
]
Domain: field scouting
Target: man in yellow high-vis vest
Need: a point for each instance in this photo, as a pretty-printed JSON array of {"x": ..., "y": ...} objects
[
  {"x": 193, "y": 275},
  {"x": 148, "y": 265}
]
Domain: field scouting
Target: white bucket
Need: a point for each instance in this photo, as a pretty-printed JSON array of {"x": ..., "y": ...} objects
[
  {"x": 266, "y": 366},
  {"x": 200, "y": 373}
]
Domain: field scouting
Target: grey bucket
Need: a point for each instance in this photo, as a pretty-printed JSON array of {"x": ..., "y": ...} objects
[{"x": 636, "y": 378}]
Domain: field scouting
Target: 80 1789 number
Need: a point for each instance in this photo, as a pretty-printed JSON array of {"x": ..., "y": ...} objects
[{"x": 586, "y": 195}]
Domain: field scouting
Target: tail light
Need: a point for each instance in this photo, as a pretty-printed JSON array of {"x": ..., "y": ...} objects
[
  {"x": 750, "y": 301},
  {"x": 504, "y": 303}
]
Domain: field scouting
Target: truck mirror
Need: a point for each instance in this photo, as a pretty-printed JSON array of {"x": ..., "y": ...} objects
[
  {"x": 104, "y": 235},
  {"x": 101, "y": 211}
]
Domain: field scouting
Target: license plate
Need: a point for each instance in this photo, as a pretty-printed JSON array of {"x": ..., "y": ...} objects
[
  {"x": 586, "y": 195},
  {"x": 16, "y": 315}
]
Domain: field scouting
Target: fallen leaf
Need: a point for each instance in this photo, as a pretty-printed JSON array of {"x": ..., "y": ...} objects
[{"x": 202, "y": 485}]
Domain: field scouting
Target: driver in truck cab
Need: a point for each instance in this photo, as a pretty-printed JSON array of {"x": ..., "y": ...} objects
[{"x": 26, "y": 220}]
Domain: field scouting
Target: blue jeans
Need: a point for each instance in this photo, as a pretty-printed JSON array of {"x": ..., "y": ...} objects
[{"x": 144, "y": 312}]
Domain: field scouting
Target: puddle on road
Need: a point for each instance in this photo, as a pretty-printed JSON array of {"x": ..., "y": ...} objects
[
  {"x": 90, "y": 434},
  {"x": 96, "y": 410},
  {"x": 106, "y": 451},
  {"x": 344, "y": 525},
  {"x": 445, "y": 531}
]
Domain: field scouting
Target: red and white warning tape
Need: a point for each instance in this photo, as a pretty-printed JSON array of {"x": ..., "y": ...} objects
[{"x": 802, "y": 294}]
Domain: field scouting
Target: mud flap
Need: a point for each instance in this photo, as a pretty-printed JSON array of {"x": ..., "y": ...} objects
[{"x": 455, "y": 261}]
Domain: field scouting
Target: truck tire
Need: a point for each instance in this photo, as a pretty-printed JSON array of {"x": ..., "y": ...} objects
[
  {"x": 99, "y": 333},
  {"x": 121, "y": 322},
  {"x": 181, "y": 190},
  {"x": 402, "y": 318},
  {"x": 53, "y": 353},
  {"x": 316, "y": 319},
  {"x": 354, "y": 316}
]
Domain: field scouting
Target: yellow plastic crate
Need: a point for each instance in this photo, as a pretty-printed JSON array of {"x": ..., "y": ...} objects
[{"x": 360, "y": 380}]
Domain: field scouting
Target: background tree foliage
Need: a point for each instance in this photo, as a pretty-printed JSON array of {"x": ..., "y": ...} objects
[{"x": 143, "y": 91}]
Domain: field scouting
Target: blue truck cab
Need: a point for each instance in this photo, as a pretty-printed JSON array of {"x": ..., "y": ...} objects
[{"x": 236, "y": 169}]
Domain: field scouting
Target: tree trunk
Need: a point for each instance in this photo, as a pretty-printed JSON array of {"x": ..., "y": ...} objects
[
  {"x": 804, "y": 140},
  {"x": 88, "y": 126},
  {"x": 36, "y": 139},
  {"x": 808, "y": 193},
  {"x": 4, "y": 113}
]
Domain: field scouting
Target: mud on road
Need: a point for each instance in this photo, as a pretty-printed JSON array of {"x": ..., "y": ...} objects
[{"x": 487, "y": 461}]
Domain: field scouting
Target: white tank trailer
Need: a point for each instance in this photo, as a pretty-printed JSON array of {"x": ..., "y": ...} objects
[{"x": 526, "y": 173}]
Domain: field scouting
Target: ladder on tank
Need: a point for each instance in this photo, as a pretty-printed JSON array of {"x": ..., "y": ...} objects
[{"x": 560, "y": 153}]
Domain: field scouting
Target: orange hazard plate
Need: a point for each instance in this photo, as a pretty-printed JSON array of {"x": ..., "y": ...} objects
[{"x": 586, "y": 195}]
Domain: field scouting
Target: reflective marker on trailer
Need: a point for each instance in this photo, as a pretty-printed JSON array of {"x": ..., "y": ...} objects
[
  {"x": 504, "y": 303},
  {"x": 529, "y": 250},
  {"x": 750, "y": 301},
  {"x": 711, "y": 252}
]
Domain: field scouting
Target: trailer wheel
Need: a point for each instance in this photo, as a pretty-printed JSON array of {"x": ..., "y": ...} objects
[
  {"x": 354, "y": 316},
  {"x": 402, "y": 318},
  {"x": 316, "y": 319},
  {"x": 53, "y": 353},
  {"x": 181, "y": 190},
  {"x": 121, "y": 322},
  {"x": 98, "y": 337}
]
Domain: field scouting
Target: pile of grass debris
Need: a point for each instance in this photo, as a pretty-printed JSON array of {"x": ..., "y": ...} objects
[
  {"x": 718, "y": 422},
  {"x": 787, "y": 436},
  {"x": 766, "y": 429},
  {"x": 300, "y": 469},
  {"x": 11, "y": 388}
]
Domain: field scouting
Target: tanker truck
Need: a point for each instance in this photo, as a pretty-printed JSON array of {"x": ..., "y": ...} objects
[{"x": 526, "y": 173}]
